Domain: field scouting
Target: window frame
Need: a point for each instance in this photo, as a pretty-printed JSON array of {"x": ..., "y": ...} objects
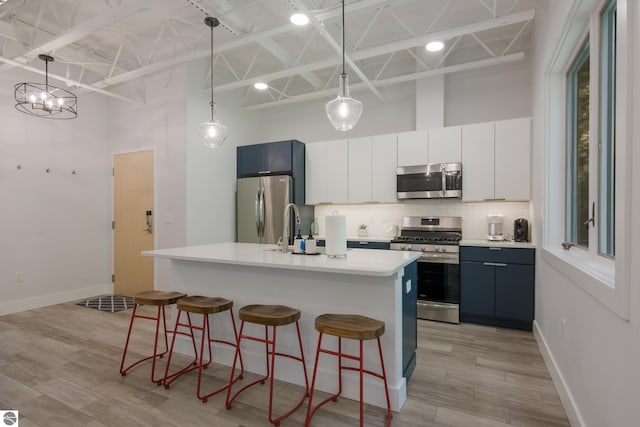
[{"x": 604, "y": 278}]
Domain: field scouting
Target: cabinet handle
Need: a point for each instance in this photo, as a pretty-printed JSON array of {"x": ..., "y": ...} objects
[
  {"x": 495, "y": 249},
  {"x": 263, "y": 172},
  {"x": 363, "y": 243},
  {"x": 495, "y": 264},
  {"x": 495, "y": 199}
]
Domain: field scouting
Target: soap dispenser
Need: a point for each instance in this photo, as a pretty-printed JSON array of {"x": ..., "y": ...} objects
[
  {"x": 298, "y": 244},
  {"x": 310, "y": 244}
]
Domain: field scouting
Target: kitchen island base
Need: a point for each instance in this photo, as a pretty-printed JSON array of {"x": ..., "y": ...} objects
[{"x": 314, "y": 292}]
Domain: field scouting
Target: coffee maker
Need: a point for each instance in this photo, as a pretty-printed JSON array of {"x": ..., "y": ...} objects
[
  {"x": 521, "y": 230},
  {"x": 494, "y": 227}
]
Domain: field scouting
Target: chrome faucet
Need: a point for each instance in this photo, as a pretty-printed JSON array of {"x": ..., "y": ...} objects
[{"x": 285, "y": 226}]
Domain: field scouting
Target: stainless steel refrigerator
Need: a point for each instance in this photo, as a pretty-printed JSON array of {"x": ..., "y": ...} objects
[{"x": 260, "y": 203}]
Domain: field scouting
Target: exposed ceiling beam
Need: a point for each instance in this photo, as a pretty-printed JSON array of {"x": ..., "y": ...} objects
[
  {"x": 7, "y": 31},
  {"x": 395, "y": 80},
  {"x": 336, "y": 46},
  {"x": 240, "y": 41},
  {"x": 382, "y": 50},
  {"x": 83, "y": 30},
  {"x": 66, "y": 80}
]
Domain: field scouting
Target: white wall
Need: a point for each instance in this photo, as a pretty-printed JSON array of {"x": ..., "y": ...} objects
[
  {"x": 211, "y": 173},
  {"x": 308, "y": 121},
  {"x": 157, "y": 125},
  {"x": 493, "y": 93},
  {"x": 597, "y": 356},
  {"x": 54, "y": 227}
]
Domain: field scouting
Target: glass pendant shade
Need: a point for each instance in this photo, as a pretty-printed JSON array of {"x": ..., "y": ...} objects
[
  {"x": 343, "y": 111},
  {"x": 213, "y": 132}
]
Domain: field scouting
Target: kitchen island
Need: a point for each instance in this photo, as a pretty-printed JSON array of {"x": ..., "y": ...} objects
[{"x": 375, "y": 283}]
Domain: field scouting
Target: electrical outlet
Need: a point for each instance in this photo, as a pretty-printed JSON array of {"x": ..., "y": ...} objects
[
  {"x": 563, "y": 325},
  {"x": 19, "y": 277}
]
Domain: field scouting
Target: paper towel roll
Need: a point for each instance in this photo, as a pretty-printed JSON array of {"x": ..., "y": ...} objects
[{"x": 336, "y": 235}]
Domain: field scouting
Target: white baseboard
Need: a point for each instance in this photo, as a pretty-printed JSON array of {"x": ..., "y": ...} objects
[
  {"x": 569, "y": 404},
  {"x": 15, "y": 306}
]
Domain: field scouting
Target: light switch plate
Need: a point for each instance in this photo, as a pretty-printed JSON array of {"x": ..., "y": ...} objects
[{"x": 407, "y": 286}]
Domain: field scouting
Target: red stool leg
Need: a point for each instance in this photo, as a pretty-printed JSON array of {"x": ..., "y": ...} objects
[
  {"x": 168, "y": 379},
  {"x": 310, "y": 412},
  {"x": 386, "y": 387},
  {"x": 123, "y": 372},
  {"x": 361, "y": 385}
]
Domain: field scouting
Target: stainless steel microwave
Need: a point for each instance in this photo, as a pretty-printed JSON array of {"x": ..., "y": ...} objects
[{"x": 432, "y": 181}]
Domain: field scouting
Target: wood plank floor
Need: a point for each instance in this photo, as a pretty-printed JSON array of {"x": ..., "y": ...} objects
[{"x": 59, "y": 367}]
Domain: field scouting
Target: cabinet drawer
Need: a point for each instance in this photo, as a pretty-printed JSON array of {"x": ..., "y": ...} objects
[
  {"x": 497, "y": 254},
  {"x": 361, "y": 244},
  {"x": 367, "y": 245}
]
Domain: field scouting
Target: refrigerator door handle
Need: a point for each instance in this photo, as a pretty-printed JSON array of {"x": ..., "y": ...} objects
[
  {"x": 262, "y": 213},
  {"x": 257, "y": 212}
]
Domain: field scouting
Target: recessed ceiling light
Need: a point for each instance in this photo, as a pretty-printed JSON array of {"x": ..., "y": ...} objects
[
  {"x": 260, "y": 85},
  {"x": 299, "y": 19},
  {"x": 435, "y": 46}
]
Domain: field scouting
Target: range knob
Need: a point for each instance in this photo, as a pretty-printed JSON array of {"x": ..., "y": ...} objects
[
  {"x": 423, "y": 248},
  {"x": 443, "y": 249}
]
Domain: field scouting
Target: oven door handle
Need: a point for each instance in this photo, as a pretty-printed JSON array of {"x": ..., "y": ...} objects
[{"x": 439, "y": 257}]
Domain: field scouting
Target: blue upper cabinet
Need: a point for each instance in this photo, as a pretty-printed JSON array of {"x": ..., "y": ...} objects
[{"x": 274, "y": 158}]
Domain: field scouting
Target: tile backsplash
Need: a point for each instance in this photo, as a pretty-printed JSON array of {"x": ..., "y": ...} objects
[{"x": 381, "y": 218}]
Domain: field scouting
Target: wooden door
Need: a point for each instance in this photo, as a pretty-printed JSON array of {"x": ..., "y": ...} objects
[{"x": 133, "y": 222}]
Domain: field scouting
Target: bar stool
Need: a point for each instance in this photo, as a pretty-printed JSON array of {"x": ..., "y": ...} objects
[
  {"x": 204, "y": 306},
  {"x": 353, "y": 327},
  {"x": 269, "y": 315},
  {"x": 161, "y": 299}
]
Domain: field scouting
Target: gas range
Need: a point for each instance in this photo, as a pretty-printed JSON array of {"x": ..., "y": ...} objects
[
  {"x": 439, "y": 266},
  {"x": 436, "y": 237}
]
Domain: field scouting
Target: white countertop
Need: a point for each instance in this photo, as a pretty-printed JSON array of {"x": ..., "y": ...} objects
[
  {"x": 498, "y": 244},
  {"x": 365, "y": 262}
]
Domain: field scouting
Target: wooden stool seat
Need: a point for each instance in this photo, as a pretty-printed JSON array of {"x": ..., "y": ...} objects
[
  {"x": 350, "y": 326},
  {"x": 204, "y": 305},
  {"x": 269, "y": 315},
  {"x": 159, "y": 297}
]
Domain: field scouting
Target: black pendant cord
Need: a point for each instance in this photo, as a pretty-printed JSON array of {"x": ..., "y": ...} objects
[
  {"x": 343, "y": 37},
  {"x": 46, "y": 76},
  {"x": 212, "y": 104}
]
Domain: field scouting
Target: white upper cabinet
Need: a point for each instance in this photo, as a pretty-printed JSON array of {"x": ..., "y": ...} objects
[
  {"x": 315, "y": 173},
  {"x": 513, "y": 159},
  {"x": 445, "y": 145},
  {"x": 360, "y": 170},
  {"x": 383, "y": 165},
  {"x": 496, "y": 160},
  {"x": 337, "y": 171},
  {"x": 413, "y": 148},
  {"x": 478, "y": 162}
]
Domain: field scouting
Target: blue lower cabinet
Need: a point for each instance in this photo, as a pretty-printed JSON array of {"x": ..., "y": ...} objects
[
  {"x": 409, "y": 319},
  {"x": 497, "y": 286},
  {"x": 477, "y": 289}
]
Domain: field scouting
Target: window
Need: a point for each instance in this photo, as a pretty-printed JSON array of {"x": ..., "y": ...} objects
[
  {"x": 607, "y": 122},
  {"x": 578, "y": 150},
  {"x": 590, "y": 169}
]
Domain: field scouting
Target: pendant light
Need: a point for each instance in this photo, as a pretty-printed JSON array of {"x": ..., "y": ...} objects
[
  {"x": 214, "y": 133},
  {"x": 45, "y": 100},
  {"x": 343, "y": 111}
]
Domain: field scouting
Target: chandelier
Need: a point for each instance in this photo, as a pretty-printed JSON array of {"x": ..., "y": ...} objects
[{"x": 45, "y": 100}]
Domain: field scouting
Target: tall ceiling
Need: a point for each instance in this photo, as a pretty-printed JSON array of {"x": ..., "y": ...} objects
[{"x": 110, "y": 46}]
